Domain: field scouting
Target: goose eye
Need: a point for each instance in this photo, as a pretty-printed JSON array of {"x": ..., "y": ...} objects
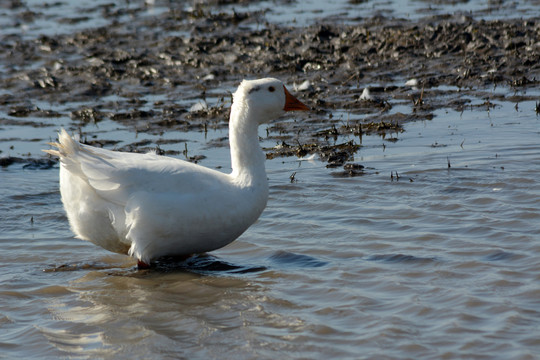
[{"x": 271, "y": 89}]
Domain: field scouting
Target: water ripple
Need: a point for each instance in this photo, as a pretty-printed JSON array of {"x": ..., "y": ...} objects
[
  {"x": 401, "y": 258},
  {"x": 286, "y": 258}
]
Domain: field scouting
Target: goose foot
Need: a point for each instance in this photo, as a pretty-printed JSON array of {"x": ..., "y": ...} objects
[{"x": 141, "y": 265}]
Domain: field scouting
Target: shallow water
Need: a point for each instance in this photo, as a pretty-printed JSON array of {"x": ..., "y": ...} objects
[
  {"x": 433, "y": 253},
  {"x": 441, "y": 262}
]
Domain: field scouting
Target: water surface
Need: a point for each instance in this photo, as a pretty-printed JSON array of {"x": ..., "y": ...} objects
[
  {"x": 413, "y": 259},
  {"x": 433, "y": 253}
]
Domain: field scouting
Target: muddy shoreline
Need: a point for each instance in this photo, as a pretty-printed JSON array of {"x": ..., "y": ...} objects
[{"x": 179, "y": 57}]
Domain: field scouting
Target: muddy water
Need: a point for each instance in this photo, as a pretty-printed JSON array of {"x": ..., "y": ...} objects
[
  {"x": 431, "y": 251},
  {"x": 414, "y": 259}
]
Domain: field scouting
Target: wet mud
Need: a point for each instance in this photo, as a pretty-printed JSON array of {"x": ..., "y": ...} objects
[{"x": 145, "y": 73}]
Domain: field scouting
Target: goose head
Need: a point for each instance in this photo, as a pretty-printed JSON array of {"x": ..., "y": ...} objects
[{"x": 264, "y": 100}]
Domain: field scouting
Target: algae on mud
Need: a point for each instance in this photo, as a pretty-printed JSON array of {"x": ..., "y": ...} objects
[{"x": 179, "y": 55}]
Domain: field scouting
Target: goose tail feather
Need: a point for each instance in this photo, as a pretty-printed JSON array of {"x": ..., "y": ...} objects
[{"x": 66, "y": 146}]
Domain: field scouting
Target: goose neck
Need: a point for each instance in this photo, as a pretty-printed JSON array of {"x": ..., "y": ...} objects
[{"x": 247, "y": 158}]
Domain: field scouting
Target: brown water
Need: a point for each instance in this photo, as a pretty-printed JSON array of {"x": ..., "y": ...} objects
[{"x": 433, "y": 253}]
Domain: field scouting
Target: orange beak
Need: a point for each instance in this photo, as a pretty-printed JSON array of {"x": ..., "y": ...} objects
[{"x": 292, "y": 103}]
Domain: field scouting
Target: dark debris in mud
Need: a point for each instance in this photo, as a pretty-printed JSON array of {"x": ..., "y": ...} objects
[
  {"x": 350, "y": 170},
  {"x": 28, "y": 163},
  {"x": 155, "y": 67}
]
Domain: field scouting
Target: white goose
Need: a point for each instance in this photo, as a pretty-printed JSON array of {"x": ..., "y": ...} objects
[{"x": 150, "y": 206}]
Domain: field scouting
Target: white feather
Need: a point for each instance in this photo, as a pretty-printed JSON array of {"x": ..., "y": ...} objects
[{"x": 150, "y": 206}]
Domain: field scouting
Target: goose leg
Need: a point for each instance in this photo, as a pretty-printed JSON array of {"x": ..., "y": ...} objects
[{"x": 142, "y": 265}]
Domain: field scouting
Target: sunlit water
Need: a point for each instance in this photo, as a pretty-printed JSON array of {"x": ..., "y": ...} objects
[{"x": 433, "y": 253}]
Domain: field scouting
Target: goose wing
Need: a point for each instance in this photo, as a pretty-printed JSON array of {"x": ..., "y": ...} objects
[{"x": 116, "y": 176}]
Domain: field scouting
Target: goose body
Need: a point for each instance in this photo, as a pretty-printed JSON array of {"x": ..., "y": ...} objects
[{"x": 149, "y": 206}]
